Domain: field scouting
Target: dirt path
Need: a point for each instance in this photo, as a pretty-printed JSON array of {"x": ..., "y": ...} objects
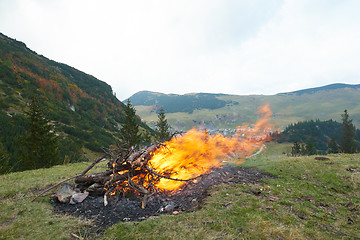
[{"x": 262, "y": 148}]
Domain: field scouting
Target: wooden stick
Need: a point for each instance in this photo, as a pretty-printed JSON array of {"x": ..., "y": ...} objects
[
  {"x": 175, "y": 179},
  {"x": 48, "y": 189},
  {"x": 137, "y": 187},
  {"x": 143, "y": 158},
  {"x": 144, "y": 201},
  {"x": 100, "y": 177},
  {"x": 76, "y": 236},
  {"x": 93, "y": 164}
]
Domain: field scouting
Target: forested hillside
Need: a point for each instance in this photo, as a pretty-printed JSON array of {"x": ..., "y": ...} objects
[
  {"x": 318, "y": 132},
  {"x": 83, "y": 109},
  {"x": 172, "y": 103}
]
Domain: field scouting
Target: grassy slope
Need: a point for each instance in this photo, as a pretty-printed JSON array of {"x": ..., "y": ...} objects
[
  {"x": 22, "y": 219},
  {"x": 287, "y": 108},
  {"x": 311, "y": 199}
]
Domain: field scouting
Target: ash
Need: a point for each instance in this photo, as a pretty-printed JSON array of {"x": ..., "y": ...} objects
[{"x": 190, "y": 198}]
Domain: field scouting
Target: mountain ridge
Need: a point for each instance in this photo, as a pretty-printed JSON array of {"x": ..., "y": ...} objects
[
  {"x": 331, "y": 86},
  {"x": 177, "y": 103},
  {"x": 324, "y": 103},
  {"x": 323, "y": 88}
]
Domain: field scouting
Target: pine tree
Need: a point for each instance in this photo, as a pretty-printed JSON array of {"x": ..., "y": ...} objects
[
  {"x": 347, "y": 142},
  {"x": 40, "y": 144},
  {"x": 332, "y": 146},
  {"x": 130, "y": 127},
  {"x": 147, "y": 138},
  {"x": 296, "y": 149},
  {"x": 162, "y": 127},
  {"x": 4, "y": 160},
  {"x": 310, "y": 148},
  {"x": 303, "y": 149}
]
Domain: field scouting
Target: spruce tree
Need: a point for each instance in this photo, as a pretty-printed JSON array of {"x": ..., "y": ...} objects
[
  {"x": 303, "y": 149},
  {"x": 4, "y": 160},
  {"x": 40, "y": 144},
  {"x": 332, "y": 146},
  {"x": 347, "y": 142},
  {"x": 147, "y": 138},
  {"x": 162, "y": 127},
  {"x": 130, "y": 127},
  {"x": 296, "y": 149},
  {"x": 310, "y": 148}
]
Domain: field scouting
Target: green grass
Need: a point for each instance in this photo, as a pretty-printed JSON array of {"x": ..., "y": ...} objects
[
  {"x": 22, "y": 219},
  {"x": 309, "y": 199}
]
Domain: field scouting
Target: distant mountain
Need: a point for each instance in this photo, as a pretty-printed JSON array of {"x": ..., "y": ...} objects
[
  {"x": 84, "y": 110},
  {"x": 325, "y": 88},
  {"x": 229, "y": 111},
  {"x": 177, "y": 103}
]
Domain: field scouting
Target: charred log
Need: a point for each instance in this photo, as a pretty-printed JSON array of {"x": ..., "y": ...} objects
[{"x": 100, "y": 178}]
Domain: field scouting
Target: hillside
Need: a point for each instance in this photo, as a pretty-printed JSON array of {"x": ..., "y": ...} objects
[
  {"x": 318, "y": 132},
  {"x": 325, "y": 88},
  {"x": 84, "y": 110},
  {"x": 323, "y": 103},
  {"x": 178, "y": 103}
]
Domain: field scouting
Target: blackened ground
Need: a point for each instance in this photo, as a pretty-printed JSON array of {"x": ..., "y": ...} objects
[{"x": 189, "y": 198}]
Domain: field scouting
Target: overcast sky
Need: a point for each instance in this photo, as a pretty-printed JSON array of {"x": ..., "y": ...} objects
[{"x": 184, "y": 46}]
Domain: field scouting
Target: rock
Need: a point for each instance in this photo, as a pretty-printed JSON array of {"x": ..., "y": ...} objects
[
  {"x": 255, "y": 191},
  {"x": 65, "y": 193},
  {"x": 169, "y": 207},
  {"x": 352, "y": 170},
  {"x": 78, "y": 197},
  {"x": 69, "y": 194},
  {"x": 306, "y": 198},
  {"x": 273, "y": 198},
  {"x": 350, "y": 221}
]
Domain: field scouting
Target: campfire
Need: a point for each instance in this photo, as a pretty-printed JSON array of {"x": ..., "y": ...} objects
[{"x": 168, "y": 168}]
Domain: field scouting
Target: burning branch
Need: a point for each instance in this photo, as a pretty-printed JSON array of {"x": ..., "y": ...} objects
[{"x": 170, "y": 178}]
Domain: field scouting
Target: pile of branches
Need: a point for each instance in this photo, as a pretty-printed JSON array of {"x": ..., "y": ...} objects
[
  {"x": 123, "y": 168},
  {"x": 128, "y": 171}
]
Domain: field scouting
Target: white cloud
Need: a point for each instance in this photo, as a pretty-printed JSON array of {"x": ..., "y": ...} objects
[
  {"x": 305, "y": 46},
  {"x": 238, "y": 47}
]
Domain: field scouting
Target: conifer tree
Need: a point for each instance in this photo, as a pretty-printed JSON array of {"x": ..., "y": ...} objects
[
  {"x": 347, "y": 142},
  {"x": 296, "y": 149},
  {"x": 147, "y": 138},
  {"x": 332, "y": 146},
  {"x": 40, "y": 144},
  {"x": 162, "y": 127},
  {"x": 303, "y": 149},
  {"x": 310, "y": 148},
  {"x": 130, "y": 127},
  {"x": 4, "y": 160}
]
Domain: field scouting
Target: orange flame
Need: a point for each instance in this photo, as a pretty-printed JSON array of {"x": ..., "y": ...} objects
[{"x": 196, "y": 152}]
